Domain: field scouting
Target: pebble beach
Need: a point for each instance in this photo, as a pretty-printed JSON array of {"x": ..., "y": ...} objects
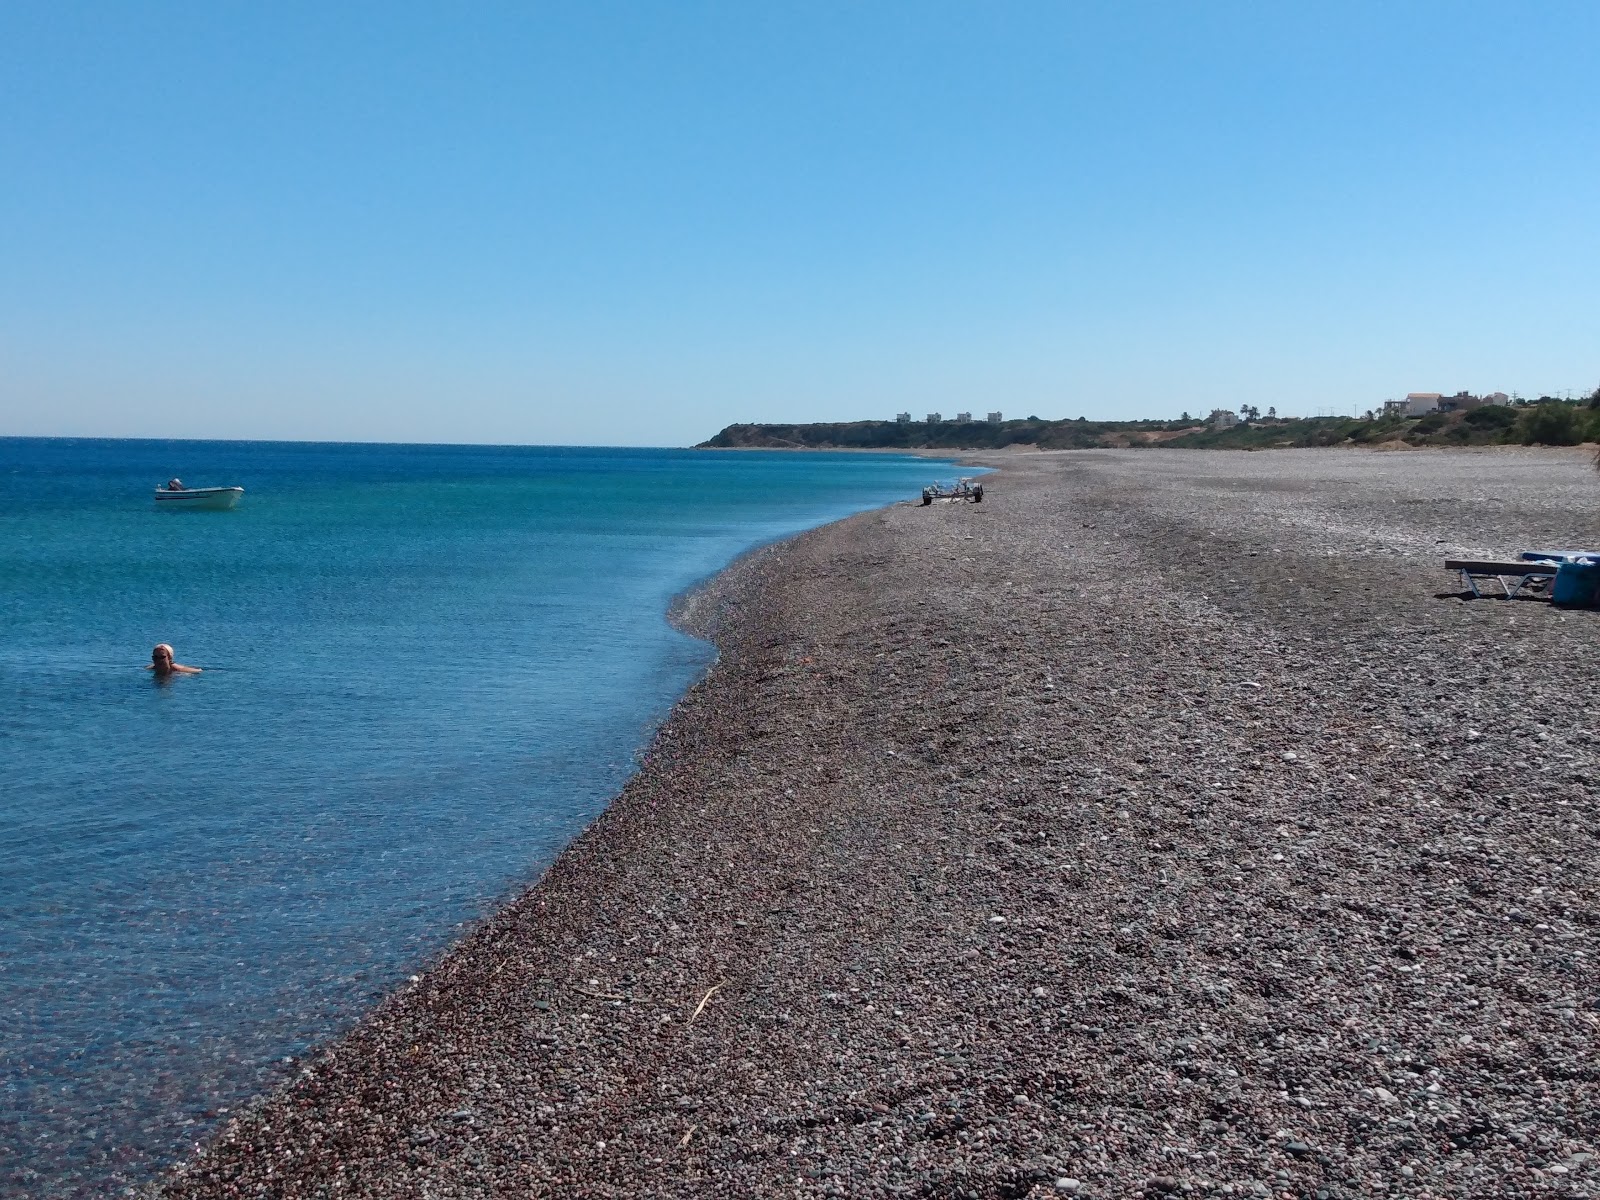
[{"x": 1170, "y": 823}]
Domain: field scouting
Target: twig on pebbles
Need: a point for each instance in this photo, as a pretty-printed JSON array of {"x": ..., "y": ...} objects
[
  {"x": 684, "y": 1140},
  {"x": 704, "y": 1000},
  {"x": 596, "y": 995}
]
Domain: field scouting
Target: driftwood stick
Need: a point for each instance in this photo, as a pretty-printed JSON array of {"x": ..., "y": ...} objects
[
  {"x": 597, "y": 995},
  {"x": 704, "y": 1000},
  {"x": 684, "y": 1141}
]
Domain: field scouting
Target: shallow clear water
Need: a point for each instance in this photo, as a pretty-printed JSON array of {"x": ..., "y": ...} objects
[{"x": 426, "y": 668}]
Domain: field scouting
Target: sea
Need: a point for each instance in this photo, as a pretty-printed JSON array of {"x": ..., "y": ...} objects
[{"x": 425, "y": 669}]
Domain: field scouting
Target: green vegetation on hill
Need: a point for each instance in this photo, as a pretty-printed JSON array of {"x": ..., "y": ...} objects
[
  {"x": 1547, "y": 421},
  {"x": 919, "y": 435}
]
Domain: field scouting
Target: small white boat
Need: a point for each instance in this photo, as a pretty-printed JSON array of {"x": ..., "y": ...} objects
[{"x": 188, "y": 499}]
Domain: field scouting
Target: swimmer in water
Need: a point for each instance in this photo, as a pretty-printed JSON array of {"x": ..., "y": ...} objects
[{"x": 161, "y": 663}]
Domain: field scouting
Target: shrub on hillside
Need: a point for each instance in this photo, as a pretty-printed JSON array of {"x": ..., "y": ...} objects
[
  {"x": 1431, "y": 423},
  {"x": 1368, "y": 431},
  {"x": 1553, "y": 424},
  {"x": 1492, "y": 416}
]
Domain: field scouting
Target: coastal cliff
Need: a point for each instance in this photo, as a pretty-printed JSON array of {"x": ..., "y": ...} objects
[{"x": 1549, "y": 422}]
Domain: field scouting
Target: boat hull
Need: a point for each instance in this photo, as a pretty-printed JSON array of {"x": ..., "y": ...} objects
[{"x": 193, "y": 499}]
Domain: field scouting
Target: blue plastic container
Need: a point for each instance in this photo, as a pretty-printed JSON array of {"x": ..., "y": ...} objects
[{"x": 1575, "y": 583}]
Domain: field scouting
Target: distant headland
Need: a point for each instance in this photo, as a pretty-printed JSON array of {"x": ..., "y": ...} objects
[{"x": 1421, "y": 419}]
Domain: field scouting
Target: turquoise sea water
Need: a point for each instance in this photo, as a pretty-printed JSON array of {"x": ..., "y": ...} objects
[{"x": 426, "y": 668}]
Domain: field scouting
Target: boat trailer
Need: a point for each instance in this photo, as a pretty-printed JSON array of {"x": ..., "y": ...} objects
[{"x": 959, "y": 492}]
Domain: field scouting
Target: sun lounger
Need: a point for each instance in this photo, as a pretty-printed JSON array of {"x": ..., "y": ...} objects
[
  {"x": 1530, "y": 576},
  {"x": 1560, "y": 556}
]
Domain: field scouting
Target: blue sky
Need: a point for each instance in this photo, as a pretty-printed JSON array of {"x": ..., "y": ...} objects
[{"x": 636, "y": 223}]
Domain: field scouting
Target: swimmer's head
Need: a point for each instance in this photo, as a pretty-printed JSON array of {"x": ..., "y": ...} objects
[{"x": 161, "y": 654}]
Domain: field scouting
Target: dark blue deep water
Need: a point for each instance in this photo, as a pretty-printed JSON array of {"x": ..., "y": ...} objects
[{"x": 426, "y": 669}]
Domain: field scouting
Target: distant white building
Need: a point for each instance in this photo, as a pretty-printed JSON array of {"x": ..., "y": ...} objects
[
  {"x": 1221, "y": 418},
  {"x": 934, "y": 418},
  {"x": 1497, "y": 398},
  {"x": 1421, "y": 403},
  {"x": 995, "y": 418},
  {"x": 963, "y": 417},
  {"x": 902, "y": 418}
]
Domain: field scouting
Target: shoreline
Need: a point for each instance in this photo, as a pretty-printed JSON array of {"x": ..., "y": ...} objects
[
  {"x": 1586, "y": 449},
  {"x": 1092, "y": 840}
]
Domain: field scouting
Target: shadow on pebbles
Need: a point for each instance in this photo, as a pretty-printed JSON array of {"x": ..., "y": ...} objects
[{"x": 1165, "y": 824}]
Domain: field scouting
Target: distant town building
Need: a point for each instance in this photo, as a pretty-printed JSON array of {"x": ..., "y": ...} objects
[
  {"x": 902, "y": 418},
  {"x": 995, "y": 418},
  {"x": 963, "y": 417},
  {"x": 934, "y": 418},
  {"x": 1221, "y": 418},
  {"x": 1420, "y": 404}
]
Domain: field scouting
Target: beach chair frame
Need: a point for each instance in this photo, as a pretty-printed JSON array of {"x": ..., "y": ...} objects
[{"x": 1531, "y": 577}]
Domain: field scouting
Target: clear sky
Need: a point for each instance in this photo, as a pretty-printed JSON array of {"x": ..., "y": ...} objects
[{"x": 635, "y": 223}]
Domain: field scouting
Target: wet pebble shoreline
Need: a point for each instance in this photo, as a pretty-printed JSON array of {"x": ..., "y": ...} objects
[{"x": 1164, "y": 825}]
